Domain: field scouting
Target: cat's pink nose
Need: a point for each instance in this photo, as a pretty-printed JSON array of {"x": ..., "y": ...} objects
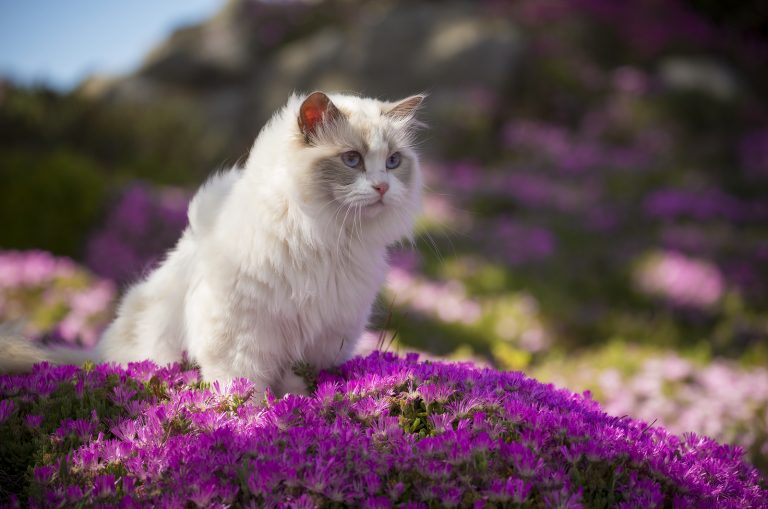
[{"x": 381, "y": 187}]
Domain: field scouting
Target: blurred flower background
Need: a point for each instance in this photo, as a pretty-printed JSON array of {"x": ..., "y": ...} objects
[{"x": 597, "y": 211}]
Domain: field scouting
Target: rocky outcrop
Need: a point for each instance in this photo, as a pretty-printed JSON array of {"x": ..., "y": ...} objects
[{"x": 240, "y": 65}]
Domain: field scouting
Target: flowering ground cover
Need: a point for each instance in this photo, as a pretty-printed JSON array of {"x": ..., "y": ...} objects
[
  {"x": 53, "y": 298},
  {"x": 380, "y": 431},
  {"x": 717, "y": 398}
]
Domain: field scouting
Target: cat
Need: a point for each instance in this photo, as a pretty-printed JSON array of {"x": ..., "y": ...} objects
[{"x": 282, "y": 258}]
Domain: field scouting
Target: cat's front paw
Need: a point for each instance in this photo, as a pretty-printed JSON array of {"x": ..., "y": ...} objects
[{"x": 292, "y": 383}]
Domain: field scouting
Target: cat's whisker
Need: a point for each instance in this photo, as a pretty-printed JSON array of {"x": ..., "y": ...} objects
[
  {"x": 448, "y": 232},
  {"x": 326, "y": 205},
  {"x": 405, "y": 221},
  {"x": 353, "y": 233},
  {"x": 360, "y": 226},
  {"x": 338, "y": 210},
  {"x": 342, "y": 230},
  {"x": 433, "y": 245}
]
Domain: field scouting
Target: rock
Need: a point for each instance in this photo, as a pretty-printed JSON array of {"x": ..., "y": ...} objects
[
  {"x": 242, "y": 64},
  {"x": 706, "y": 76}
]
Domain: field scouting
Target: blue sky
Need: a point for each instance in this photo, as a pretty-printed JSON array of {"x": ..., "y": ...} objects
[{"x": 60, "y": 42}]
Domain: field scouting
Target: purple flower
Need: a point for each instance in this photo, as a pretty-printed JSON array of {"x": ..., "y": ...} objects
[
  {"x": 122, "y": 395},
  {"x": 704, "y": 204},
  {"x": 6, "y": 409},
  {"x": 44, "y": 474},
  {"x": 512, "y": 490},
  {"x": 103, "y": 486},
  {"x": 432, "y": 393},
  {"x": 562, "y": 499},
  {"x": 377, "y": 503},
  {"x": 143, "y": 225},
  {"x": 80, "y": 428},
  {"x": 33, "y": 421},
  {"x": 303, "y": 502}
]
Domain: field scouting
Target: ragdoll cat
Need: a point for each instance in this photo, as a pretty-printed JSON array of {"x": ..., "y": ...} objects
[{"x": 283, "y": 258}]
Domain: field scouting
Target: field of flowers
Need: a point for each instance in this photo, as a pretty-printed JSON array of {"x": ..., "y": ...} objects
[
  {"x": 378, "y": 432},
  {"x": 602, "y": 225}
]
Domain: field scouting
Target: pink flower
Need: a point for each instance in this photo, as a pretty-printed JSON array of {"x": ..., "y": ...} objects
[
  {"x": 680, "y": 279},
  {"x": 445, "y": 300}
]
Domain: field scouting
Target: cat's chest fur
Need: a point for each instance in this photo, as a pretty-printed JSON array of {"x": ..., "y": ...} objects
[
  {"x": 330, "y": 285},
  {"x": 281, "y": 276}
]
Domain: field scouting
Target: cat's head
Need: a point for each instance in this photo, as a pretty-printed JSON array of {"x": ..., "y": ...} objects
[{"x": 363, "y": 163}]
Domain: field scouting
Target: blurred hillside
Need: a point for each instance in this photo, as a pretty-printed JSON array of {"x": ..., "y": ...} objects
[
  {"x": 597, "y": 210},
  {"x": 239, "y": 67}
]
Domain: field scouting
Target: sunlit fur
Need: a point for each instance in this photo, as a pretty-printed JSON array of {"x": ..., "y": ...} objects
[{"x": 283, "y": 258}]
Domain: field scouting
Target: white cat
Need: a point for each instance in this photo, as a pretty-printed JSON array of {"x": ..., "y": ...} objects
[{"x": 283, "y": 258}]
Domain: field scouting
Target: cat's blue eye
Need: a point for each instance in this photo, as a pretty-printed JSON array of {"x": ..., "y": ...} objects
[
  {"x": 393, "y": 161},
  {"x": 352, "y": 159}
]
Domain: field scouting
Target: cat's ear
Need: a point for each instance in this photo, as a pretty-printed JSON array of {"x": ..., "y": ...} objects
[
  {"x": 406, "y": 108},
  {"x": 316, "y": 109}
]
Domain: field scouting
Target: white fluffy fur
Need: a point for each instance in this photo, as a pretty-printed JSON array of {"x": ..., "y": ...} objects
[{"x": 268, "y": 273}]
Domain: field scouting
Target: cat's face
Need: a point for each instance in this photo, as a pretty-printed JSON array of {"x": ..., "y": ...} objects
[{"x": 366, "y": 164}]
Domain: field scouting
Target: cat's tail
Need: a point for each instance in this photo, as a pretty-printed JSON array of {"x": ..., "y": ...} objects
[{"x": 18, "y": 354}]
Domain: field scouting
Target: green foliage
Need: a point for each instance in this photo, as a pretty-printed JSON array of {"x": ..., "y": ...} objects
[
  {"x": 166, "y": 143},
  {"x": 413, "y": 415},
  {"x": 61, "y": 154},
  {"x": 308, "y": 373},
  {"x": 49, "y": 200}
]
